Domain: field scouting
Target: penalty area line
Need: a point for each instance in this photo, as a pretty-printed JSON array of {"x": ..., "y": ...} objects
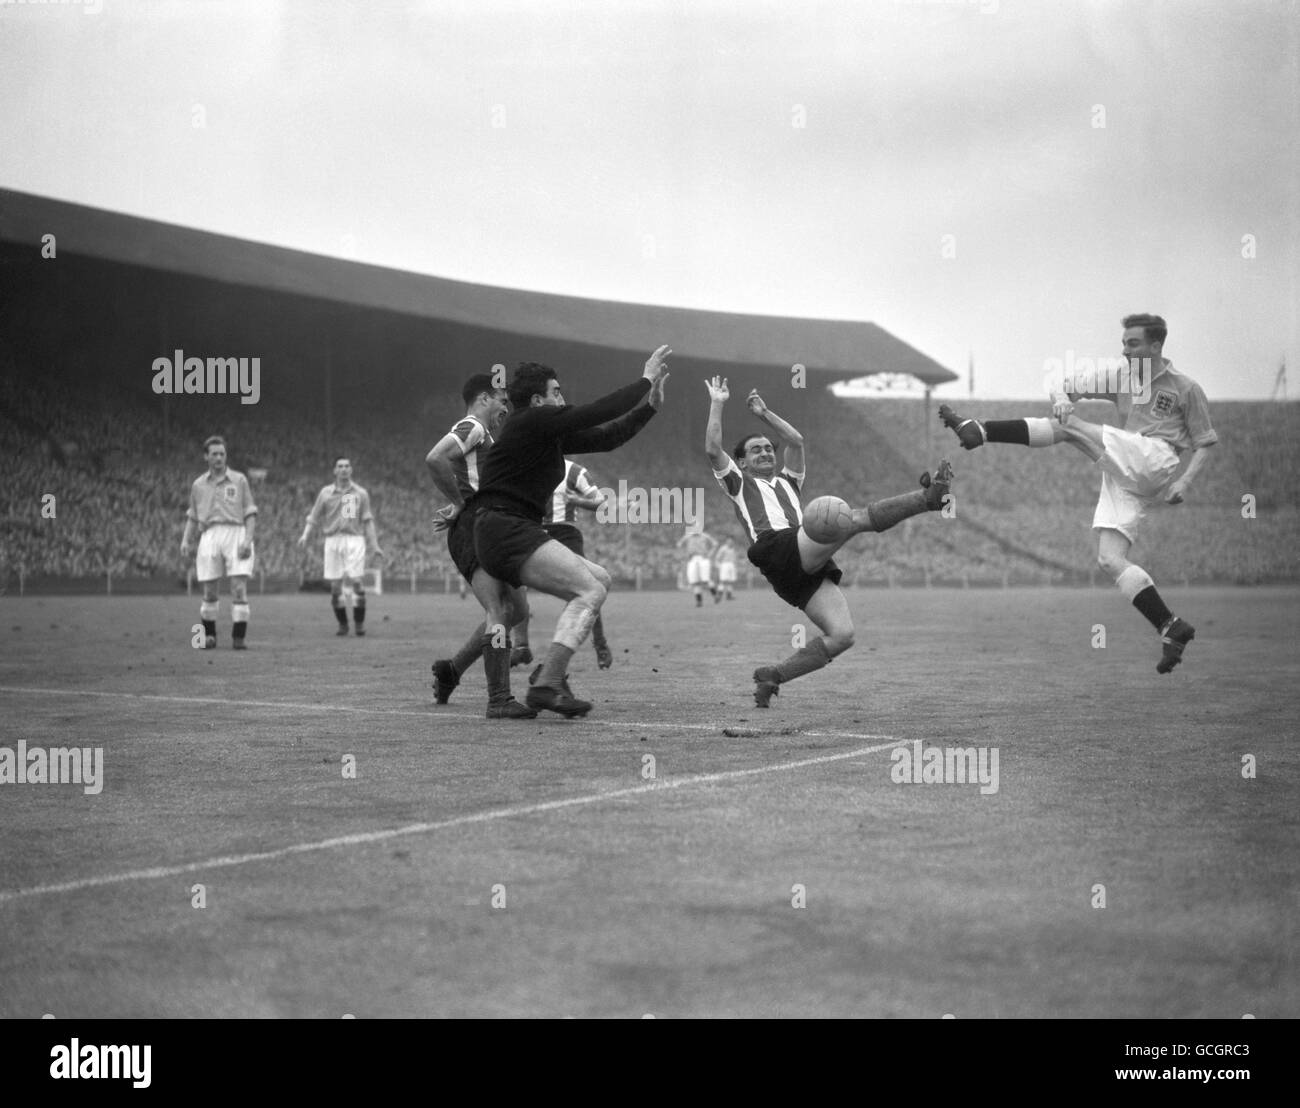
[
  {"x": 367, "y": 837},
  {"x": 432, "y": 715}
]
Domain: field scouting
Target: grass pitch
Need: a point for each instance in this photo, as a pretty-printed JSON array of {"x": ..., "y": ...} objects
[{"x": 476, "y": 868}]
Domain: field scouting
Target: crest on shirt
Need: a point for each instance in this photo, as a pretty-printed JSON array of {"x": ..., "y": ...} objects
[
  {"x": 1164, "y": 402},
  {"x": 230, "y": 492}
]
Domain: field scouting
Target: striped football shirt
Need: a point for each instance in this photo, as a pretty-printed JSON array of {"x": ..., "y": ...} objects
[
  {"x": 474, "y": 440},
  {"x": 576, "y": 481},
  {"x": 762, "y": 504}
]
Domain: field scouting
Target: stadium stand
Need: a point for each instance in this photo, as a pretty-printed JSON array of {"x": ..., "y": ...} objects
[{"x": 120, "y": 477}]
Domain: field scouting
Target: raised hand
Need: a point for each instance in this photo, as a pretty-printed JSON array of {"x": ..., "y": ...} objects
[
  {"x": 718, "y": 390},
  {"x": 656, "y": 397},
  {"x": 755, "y": 403},
  {"x": 655, "y": 366}
]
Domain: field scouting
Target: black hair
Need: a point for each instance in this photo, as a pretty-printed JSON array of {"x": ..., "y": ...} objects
[{"x": 530, "y": 380}]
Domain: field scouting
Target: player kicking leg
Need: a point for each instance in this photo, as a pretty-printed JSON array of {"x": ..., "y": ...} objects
[{"x": 1166, "y": 415}]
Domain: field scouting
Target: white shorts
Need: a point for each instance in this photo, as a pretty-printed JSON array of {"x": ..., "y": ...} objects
[
  {"x": 345, "y": 556},
  {"x": 727, "y": 573},
  {"x": 699, "y": 570},
  {"x": 1135, "y": 470},
  {"x": 219, "y": 553}
]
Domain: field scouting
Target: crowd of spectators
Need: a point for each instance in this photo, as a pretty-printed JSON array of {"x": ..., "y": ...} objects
[{"x": 118, "y": 468}]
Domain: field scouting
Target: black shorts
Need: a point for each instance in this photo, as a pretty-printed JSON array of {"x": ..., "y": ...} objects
[
  {"x": 504, "y": 541},
  {"x": 460, "y": 543},
  {"x": 567, "y": 534},
  {"x": 776, "y": 553}
]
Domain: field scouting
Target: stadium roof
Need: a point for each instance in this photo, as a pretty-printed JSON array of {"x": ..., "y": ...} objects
[{"x": 839, "y": 348}]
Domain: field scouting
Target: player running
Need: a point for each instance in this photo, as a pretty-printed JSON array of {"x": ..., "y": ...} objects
[
  {"x": 349, "y": 527},
  {"x": 576, "y": 491},
  {"x": 700, "y": 546},
  {"x": 222, "y": 508},
  {"x": 725, "y": 559},
  {"x": 1138, "y": 464},
  {"x": 456, "y": 464},
  {"x": 519, "y": 476},
  {"x": 802, "y": 572}
]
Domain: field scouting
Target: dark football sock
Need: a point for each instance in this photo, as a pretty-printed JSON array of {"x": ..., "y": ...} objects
[
  {"x": 1148, "y": 602},
  {"x": 807, "y": 658},
  {"x": 556, "y": 665},
  {"x": 1006, "y": 430},
  {"x": 210, "y": 628},
  {"x": 884, "y": 514},
  {"x": 340, "y": 611},
  {"x": 359, "y": 611},
  {"x": 496, "y": 665},
  {"x": 468, "y": 654}
]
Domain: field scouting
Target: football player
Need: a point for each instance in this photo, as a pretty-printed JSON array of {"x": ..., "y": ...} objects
[
  {"x": 802, "y": 572},
  {"x": 1166, "y": 416}
]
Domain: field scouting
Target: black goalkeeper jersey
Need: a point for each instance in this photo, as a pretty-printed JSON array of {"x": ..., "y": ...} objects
[{"x": 520, "y": 472}]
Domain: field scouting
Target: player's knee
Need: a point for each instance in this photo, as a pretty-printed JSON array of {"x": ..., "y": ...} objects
[
  {"x": 517, "y": 611},
  {"x": 601, "y": 574},
  {"x": 839, "y": 640},
  {"x": 210, "y": 593},
  {"x": 336, "y": 588},
  {"x": 1111, "y": 563},
  {"x": 239, "y": 593},
  {"x": 358, "y": 590},
  {"x": 594, "y": 594}
]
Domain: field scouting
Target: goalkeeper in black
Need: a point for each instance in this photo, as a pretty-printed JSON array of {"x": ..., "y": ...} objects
[{"x": 518, "y": 478}]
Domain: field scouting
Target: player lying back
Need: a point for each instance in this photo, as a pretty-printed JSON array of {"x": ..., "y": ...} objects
[{"x": 800, "y": 569}]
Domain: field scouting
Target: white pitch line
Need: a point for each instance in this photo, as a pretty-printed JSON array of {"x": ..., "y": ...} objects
[
  {"x": 432, "y": 714},
  {"x": 439, "y": 825}
]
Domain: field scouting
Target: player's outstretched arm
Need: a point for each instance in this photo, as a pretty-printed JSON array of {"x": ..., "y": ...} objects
[
  {"x": 609, "y": 436},
  {"x": 718, "y": 396},
  {"x": 792, "y": 439},
  {"x": 579, "y": 428}
]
